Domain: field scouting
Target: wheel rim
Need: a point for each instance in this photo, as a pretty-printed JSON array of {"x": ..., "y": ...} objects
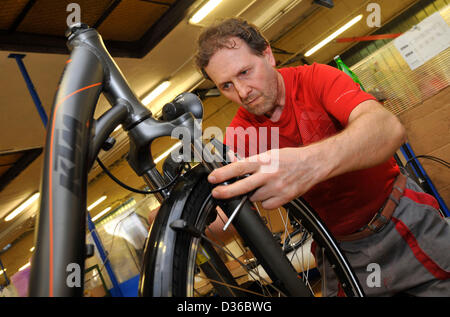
[{"x": 299, "y": 255}]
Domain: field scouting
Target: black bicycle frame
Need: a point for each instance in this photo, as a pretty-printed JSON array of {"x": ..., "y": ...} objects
[{"x": 74, "y": 140}]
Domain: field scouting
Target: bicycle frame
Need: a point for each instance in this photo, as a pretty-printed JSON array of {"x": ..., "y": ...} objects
[
  {"x": 74, "y": 140},
  {"x": 60, "y": 233}
]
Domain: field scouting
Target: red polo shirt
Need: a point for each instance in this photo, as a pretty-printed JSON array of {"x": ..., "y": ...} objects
[{"x": 319, "y": 100}]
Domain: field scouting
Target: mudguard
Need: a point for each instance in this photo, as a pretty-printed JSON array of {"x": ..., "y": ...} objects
[{"x": 156, "y": 271}]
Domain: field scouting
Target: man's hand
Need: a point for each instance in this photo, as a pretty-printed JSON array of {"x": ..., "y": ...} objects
[
  {"x": 371, "y": 137},
  {"x": 278, "y": 176}
]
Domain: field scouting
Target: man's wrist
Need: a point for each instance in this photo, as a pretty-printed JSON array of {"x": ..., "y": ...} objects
[{"x": 327, "y": 156}]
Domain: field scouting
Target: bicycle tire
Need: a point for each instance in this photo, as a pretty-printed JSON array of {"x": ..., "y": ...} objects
[{"x": 198, "y": 213}]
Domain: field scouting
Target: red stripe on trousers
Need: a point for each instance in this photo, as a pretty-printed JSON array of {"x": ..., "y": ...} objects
[
  {"x": 421, "y": 198},
  {"x": 420, "y": 255}
]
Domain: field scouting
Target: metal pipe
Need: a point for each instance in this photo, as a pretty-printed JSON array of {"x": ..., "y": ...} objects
[
  {"x": 155, "y": 180},
  {"x": 32, "y": 90},
  {"x": 420, "y": 171},
  {"x": 4, "y": 273},
  {"x": 103, "y": 254}
]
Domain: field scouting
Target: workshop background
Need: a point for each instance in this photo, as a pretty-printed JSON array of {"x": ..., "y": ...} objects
[{"x": 153, "y": 42}]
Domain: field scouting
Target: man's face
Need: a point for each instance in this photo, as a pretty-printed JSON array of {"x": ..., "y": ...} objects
[{"x": 245, "y": 78}]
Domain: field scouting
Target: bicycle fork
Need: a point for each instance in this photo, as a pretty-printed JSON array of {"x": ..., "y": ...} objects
[
  {"x": 247, "y": 223},
  {"x": 256, "y": 235}
]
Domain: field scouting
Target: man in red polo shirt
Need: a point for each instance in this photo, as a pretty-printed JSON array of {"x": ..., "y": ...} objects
[{"x": 335, "y": 148}]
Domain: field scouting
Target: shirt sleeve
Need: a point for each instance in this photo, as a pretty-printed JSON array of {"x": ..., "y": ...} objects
[{"x": 337, "y": 91}]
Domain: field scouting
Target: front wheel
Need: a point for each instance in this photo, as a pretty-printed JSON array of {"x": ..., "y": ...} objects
[{"x": 210, "y": 262}]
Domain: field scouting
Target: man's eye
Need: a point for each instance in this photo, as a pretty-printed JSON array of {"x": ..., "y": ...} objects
[
  {"x": 244, "y": 72},
  {"x": 226, "y": 86}
]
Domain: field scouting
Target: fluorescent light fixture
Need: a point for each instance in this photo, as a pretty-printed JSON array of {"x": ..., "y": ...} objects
[
  {"x": 25, "y": 266},
  {"x": 204, "y": 11},
  {"x": 162, "y": 156},
  {"x": 22, "y": 206},
  {"x": 94, "y": 204},
  {"x": 117, "y": 128},
  {"x": 156, "y": 92},
  {"x": 2, "y": 271},
  {"x": 31, "y": 249},
  {"x": 101, "y": 213},
  {"x": 6, "y": 247},
  {"x": 334, "y": 35}
]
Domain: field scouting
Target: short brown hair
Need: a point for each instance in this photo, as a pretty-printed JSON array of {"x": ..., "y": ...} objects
[{"x": 217, "y": 37}]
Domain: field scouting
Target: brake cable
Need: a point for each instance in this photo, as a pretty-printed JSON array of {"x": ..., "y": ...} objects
[{"x": 135, "y": 190}]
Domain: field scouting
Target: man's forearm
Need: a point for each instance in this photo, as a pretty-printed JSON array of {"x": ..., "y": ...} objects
[{"x": 371, "y": 137}]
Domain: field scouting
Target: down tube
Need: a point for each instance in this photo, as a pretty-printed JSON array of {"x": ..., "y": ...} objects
[{"x": 57, "y": 267}]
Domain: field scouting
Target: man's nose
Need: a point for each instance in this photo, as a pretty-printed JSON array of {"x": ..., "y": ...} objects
[{"x": 243, "y": 90}]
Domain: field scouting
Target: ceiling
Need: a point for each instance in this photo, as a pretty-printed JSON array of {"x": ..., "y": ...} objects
[
  {"x": 151, "y": 41},
  {"x": 39, "y": 25}
]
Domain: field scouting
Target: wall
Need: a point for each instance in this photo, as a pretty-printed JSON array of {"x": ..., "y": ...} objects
[
  {"x": 419, "y": 97},
  {"x": 428, "y": 130},
  {"x": 427, "y": 125},
  {"x": 324, "y": 22},
  {"x": 400, "y": 24}
]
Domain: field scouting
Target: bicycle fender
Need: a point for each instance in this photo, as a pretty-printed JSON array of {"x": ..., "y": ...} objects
[{"x": 156, "y": 271}]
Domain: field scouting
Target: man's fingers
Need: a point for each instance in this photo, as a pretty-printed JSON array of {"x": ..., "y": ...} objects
[
  {"x": 232, "y": 170},
  {"x": 272, "y": 203},
  {"x": 262, "y": 193},
  {"x": 240, "y": 187}
]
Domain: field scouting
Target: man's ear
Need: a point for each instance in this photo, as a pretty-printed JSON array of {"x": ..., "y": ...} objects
[{"x": 269, "y": 56}]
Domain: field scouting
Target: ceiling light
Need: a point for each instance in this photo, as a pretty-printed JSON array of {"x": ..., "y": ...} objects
[
  {"x": 98, "y": 201},
  {"x": 31, "y": 249},
  {"x": 162, "y": 156},
  {"x": 334, "y": 35},
  {"x": 2, "y": 271},
  {"x": 101, "y": 213},
  {"x": 156, "y": 92},
  {"x": 25, "y": 266},
  {"x": 6, "y": 247},
  {"x": 22, "y": 206},
  {"x": 204, "y": 11}
]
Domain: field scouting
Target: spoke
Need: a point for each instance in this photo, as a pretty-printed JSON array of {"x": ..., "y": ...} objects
[
  {"x": 230, "y": 286},
  {"x": 286, "y": 229},
  {"x": 244, "y": 252},
  {"x": 324, "y": 278},
  {"x": 220, "y": 275},
  {"x": 268, "y": 217},
  {"x": 226, "y": 250},
  {"x": 300, "y": 245},
  {"x": 251, "y": 272},
  {"x": 222, "y": 244}
]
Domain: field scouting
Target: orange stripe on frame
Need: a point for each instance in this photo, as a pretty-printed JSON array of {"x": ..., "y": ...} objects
[{"x": 50, "y": 195}]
